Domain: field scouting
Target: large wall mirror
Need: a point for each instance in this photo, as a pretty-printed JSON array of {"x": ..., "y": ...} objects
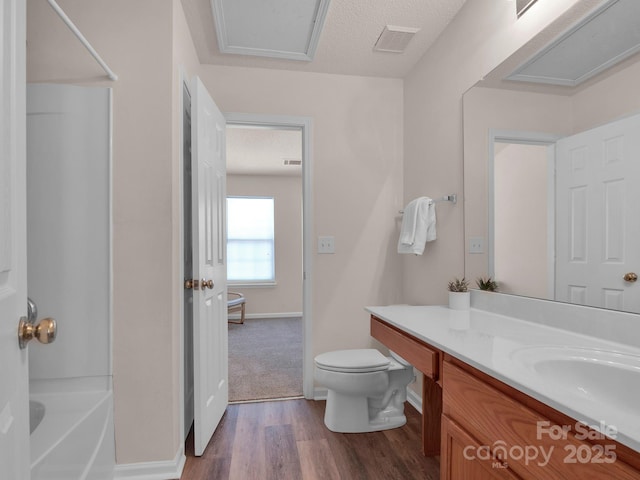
[{"x": 552, "y": 164}]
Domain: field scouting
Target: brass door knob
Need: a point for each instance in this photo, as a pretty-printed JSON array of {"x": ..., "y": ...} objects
[
  {"x": 45, "y": 331},
  {"x": 630, "y": 277},
  {"x": 191, "y": 284},
  {"x": 207, "y": 284}
]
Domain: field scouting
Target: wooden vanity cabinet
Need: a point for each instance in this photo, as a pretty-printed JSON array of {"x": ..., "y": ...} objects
[
  {"x": 482, "y": 427},
  {"x": 457, "y": 446},
  {"x": 428, "y": 361},
  {"x": 497, "y": 431}
]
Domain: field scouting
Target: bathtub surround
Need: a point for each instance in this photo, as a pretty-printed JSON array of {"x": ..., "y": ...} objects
[
  {"x": 69, "y": 278},
  {"x": 76, "y": 433}
]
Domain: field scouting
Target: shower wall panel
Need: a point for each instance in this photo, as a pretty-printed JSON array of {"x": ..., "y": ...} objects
[{"x": 69, "y": 227}]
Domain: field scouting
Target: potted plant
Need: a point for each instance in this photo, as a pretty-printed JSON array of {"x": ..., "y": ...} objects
[
  {"x": 459, "y": 297},
  {"x": 487, "y": 284}
]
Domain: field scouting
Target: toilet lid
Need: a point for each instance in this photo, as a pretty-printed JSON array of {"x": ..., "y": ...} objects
[{"x": 353, "y": 361}]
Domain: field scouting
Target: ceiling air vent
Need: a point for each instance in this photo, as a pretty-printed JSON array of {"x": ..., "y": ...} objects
[
  {"x": 394, "y": 39},
  {"x": 292, "y": 161}
]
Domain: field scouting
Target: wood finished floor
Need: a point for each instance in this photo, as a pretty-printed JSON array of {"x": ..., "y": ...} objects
[{"x": 287, "y": 439}]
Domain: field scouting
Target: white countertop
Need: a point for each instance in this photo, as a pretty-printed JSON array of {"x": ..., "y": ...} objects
[{"x": 503, "y": 347}]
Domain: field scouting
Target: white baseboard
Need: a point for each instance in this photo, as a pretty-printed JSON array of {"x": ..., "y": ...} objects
[
  {"x": 236, "y": 316},
  {"x": 319, "y": 393},
  {"x": 166, "y": 470},
  {"x": 414, "y": 399}
]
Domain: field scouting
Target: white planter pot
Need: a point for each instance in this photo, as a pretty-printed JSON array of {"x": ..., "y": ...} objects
[{"x": 459, "y": 300}]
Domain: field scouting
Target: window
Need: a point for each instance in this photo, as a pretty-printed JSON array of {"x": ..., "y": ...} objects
[{"x": 250, "y": 239}]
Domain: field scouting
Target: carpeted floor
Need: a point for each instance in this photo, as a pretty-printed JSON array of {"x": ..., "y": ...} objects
[{"x": 265, "y": 359}]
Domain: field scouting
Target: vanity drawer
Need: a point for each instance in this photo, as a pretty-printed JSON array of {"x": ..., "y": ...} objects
[
  {"x": 417, "y": 353},
  {"x": 508, "y": 427}
]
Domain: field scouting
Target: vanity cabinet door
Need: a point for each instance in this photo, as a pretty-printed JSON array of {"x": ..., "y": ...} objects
[
  {"x": 535, "y": 447},
  {"x": 463, "y": 457}
]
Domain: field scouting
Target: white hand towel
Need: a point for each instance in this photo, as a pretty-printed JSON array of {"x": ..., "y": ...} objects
[{"x": 418, "y": 226}]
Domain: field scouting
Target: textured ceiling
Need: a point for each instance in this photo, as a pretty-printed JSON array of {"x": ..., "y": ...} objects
[
  {"x": 346, "y": 42},
  {"x": 261, "y": 151}
]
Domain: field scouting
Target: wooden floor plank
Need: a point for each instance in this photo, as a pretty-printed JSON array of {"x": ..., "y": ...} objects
[
  {"x": 278, "y": 412},
  {"x": 248, "y": 455},
  {"x": 283, "y": 462},
  {"x": 316, "y": 460},
  {"x": 288, "y": 440}
]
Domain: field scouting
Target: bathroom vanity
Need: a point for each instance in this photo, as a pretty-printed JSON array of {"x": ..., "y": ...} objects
[{"x": 510, "y": 398}]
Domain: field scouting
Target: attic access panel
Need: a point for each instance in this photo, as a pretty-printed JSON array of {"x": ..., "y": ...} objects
[
  {"x": 603, "y": 39},
  {"x": 288, "y": 29}
]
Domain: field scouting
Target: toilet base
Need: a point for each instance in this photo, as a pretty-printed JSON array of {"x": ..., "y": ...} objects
[{"x": 350, "y": 414}]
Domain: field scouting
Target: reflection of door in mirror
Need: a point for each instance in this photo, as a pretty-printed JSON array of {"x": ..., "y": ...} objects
[
  {"x": 598, "y": 225},
  {"x": 498, "y": 102},
  {"x": 522, "y": 222}
]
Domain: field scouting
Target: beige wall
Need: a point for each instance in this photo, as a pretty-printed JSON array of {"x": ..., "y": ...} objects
[
  {"x": 520, "y": 219},
  {"x": 286, "y": 296},
  {"x": 613, "y": 97},
  {"x": 489, "y": 108},
  {"x": 357, "y": 184},
  {"x": 483, "y": 34}
]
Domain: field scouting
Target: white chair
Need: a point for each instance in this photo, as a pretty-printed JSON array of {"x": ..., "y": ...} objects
[{"x": 235, "y": 302}]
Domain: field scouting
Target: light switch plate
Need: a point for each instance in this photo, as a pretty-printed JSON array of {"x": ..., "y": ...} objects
[
  {"x": 476, "y": 244},
  {"x": 326, "y": 244}
]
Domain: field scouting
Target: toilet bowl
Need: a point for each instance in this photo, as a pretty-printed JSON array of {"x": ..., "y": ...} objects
[{"x": 366, "y": 390}]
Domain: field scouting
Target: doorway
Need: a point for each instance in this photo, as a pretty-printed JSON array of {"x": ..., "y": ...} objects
[
  {"x": 521, "y": 212},
  {"x": 305, "y": 125},
  {"x": 265, "y": 259}
]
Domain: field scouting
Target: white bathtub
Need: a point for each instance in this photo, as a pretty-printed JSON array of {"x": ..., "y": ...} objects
[{"x": 75, "y": 438}]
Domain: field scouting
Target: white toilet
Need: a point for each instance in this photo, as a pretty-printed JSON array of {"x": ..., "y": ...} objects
[{"x": 366, "y": 390}]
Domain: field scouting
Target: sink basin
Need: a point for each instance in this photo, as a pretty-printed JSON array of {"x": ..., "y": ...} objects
[{"x": 596, "y": 375}]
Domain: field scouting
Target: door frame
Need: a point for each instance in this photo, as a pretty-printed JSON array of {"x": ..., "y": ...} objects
[
  {"x": 182, "y": 85},
  {"x": 524, "y": 138},
  {"x": 305, "y": 124}
]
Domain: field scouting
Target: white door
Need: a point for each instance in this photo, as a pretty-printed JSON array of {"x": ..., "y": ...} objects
[
  {"x": 211, "y": 385},
  {"x": 597, "y": 221},
  {"x": 14, "y": 386}
]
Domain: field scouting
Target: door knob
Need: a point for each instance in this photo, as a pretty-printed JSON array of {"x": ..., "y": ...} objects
[
  {"x": 45, "y": 331},
  {"x": 630, "y": 277},
  {"x": 207, "y": 284},
  {"x": 191, "y": 284}
]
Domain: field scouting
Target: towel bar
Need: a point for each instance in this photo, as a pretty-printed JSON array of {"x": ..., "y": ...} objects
[{"x": 453, "y": 198}]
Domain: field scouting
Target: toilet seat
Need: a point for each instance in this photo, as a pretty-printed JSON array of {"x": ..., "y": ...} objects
[{"x": 353, "y": 361}]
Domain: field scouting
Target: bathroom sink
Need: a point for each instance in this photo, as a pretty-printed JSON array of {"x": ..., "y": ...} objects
[{"x": 595, "y": 375}]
